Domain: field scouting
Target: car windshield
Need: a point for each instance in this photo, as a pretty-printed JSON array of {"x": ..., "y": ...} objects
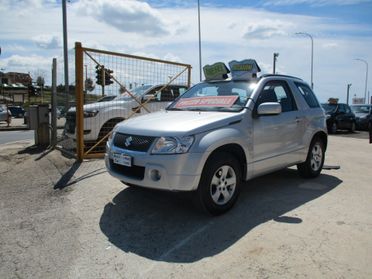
[
  {"x": 361, "y": 109},
  {"x": 137, "y": 92},
  {"x": 329, "y": 107},
  {"x": 215, "y": 96}
]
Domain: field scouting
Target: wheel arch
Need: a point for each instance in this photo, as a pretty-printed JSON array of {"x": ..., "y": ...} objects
[
  {"x": 323, "y": 136},
  {"x": 237, "y": 151}
]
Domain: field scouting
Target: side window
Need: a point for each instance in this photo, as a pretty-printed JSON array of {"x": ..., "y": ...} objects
[
  {"x": 341, "y": 109},
  {"x": 347, "y": 109},
  {"x": 308, "y": 95},
  {"x": 154, "y": 92},
  {"x": 177, "y": 91},
  {"x": 166, "y": 95},
  {"x": 182, "y": 90},
  {"x": 278, "y": 91}
]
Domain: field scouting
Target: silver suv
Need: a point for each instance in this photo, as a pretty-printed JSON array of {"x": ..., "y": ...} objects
[{"x": 220, "y": 133}]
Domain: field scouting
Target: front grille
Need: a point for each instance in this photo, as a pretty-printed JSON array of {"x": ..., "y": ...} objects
[
  {"x": 70, "y": 122},
  {"x": 132, "y": 142},
  {"x": 135, "y": 172}
]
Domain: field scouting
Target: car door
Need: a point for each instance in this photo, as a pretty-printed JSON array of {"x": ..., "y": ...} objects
[
  {"x": 342, "y": 118},
  {"x": 277, "y": 138},
  {"x": 350, "y": 116}
]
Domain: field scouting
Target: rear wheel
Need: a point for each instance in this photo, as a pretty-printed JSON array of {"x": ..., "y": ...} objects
[
  {"x": 220, "y": 183},
  {"x": 352, "y": 128},
  {"x": 333, "y": 128},
  {"x": 314, "y": 161}
]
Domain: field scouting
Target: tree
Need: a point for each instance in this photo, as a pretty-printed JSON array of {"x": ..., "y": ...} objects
[{"x": 40, "y": 81}]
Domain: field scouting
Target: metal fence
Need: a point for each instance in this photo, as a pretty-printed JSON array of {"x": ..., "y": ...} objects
[{"x": 112, "y": 87}]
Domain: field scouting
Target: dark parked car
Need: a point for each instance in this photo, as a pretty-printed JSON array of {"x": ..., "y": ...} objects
[
  {"x": 363, "y": 114},
  {"x": 339, "y": 117},
  {"x": 17, "y": 111}
]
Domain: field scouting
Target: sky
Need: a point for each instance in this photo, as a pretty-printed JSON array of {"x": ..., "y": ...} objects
[{"x": 31, "y": 35}]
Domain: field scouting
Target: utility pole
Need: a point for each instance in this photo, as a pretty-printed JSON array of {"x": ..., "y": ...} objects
[
  {"x": 275, "y": 56},
  {"x": 200, "y": 59},
  {"x": 65, "y": 53},
  {"x": 347, "y": 94}
]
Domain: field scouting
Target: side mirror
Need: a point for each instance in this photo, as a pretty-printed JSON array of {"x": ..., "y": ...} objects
[{"x": 269, "y": 109}]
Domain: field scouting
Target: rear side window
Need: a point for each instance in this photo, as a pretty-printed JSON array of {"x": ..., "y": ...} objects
[{"x": 308, "y": 95}]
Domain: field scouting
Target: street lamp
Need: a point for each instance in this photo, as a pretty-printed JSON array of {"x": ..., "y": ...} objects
[
  {"x": 312, "y": 55},
  {"x": 347, "y": 93},
  {"x": 365, "y": 89},
  {"x": 200, "y": 61},
  {"x": 276, "y": 54}
]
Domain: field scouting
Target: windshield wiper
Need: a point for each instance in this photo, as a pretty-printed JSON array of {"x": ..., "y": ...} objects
[{"x": 174, "y": 109}]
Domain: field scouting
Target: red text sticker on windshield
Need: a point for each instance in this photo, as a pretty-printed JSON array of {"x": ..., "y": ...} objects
[{"x": 211, "y": 101}]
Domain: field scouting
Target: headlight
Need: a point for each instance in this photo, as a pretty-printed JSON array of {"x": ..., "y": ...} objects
[
  {"x": 90, "y": 113},
  {"x": 172, "y": 145}
]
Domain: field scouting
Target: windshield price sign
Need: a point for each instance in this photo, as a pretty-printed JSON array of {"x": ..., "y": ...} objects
[
  {"x": 210, "y": 101},
  {"x": 244, "y": 70},
  {"x": 216, "y": 71}
]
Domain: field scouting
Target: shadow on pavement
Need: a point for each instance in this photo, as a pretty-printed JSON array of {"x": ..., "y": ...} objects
[
  {"x": 165, "y": 226},
  {"x": 355, "y": 135}
]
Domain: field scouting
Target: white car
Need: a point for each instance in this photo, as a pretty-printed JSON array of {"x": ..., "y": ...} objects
[
  {"x": 5, "y": 115},
  {"x": 101, "y": 117}
]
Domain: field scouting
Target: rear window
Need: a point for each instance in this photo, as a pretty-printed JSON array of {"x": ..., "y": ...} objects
[{"x": 308, "y": 95}]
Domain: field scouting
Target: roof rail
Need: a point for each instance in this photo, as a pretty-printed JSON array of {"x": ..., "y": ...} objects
[{"x": 276, "y": 75}]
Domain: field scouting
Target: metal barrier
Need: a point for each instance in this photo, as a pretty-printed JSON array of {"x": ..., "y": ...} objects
[{"x": 112, "y": 87}]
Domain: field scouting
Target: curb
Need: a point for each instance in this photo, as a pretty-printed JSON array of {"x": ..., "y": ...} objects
[{"x": 15, "y": 128}]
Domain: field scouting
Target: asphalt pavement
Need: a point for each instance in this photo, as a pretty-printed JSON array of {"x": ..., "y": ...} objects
[{"x": 14, "y": 136}]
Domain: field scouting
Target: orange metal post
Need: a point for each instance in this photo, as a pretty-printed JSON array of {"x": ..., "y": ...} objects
[{"x": 79, "y": 94}]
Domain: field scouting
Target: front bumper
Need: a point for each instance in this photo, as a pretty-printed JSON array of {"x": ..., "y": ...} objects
[
  {"x": 178, "y": 172},
  {"x": 362, "y": 123}
]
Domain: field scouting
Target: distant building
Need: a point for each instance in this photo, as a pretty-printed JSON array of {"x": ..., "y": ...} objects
[
  {"x": 14, "y": 78},
  {"x": 14, "y": 87}
]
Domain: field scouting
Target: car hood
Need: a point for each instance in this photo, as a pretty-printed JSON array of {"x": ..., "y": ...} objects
[
  {"x": 360, "y": 114},
  {"x": 177, "y": 123},
  {"x": 101, "y": 105}
]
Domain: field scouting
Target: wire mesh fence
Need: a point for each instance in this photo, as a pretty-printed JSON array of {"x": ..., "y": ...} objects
[{"x": 113, "y": 87}]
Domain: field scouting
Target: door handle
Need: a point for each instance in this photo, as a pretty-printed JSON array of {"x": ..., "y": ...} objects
[{"x": 298, "y": 119}]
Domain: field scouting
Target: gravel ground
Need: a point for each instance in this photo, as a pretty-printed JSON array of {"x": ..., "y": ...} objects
[{"x": 61, "y": 219}]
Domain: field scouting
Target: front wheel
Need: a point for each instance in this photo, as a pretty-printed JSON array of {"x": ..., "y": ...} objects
[
  {"x": 219, "y": 184},
  {"x": 315, "y": 159}
]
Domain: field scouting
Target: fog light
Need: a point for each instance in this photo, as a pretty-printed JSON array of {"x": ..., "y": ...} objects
[{"x": 155, "y": 175}]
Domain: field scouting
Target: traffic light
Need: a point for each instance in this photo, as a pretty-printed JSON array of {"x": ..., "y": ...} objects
[
  {"x": 99, "y": 74},
  {"x": 32, "y": 90},
  {"x": 108, "y": 76}
]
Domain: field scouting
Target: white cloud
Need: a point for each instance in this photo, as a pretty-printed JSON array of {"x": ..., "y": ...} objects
[
  {"x": 314, "y": 2},
  {"x": 330, "y": 45},
  {"x": 47, "y": 41},
  {"x": 266, "y": 29},
  {"x": 26, "y": 64},
  {"x": 126, "y": 16}
]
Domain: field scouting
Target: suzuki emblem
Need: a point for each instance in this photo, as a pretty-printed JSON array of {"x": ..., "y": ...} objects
[{"x": 128, "y": 141}]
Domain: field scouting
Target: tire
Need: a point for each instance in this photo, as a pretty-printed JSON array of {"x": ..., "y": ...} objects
[
  {"x": 220, "y": 183},
  {"x": 352, "y": 128},
  {"x": 333, "y": 128},
  {"x": 314, "y": 162}
]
